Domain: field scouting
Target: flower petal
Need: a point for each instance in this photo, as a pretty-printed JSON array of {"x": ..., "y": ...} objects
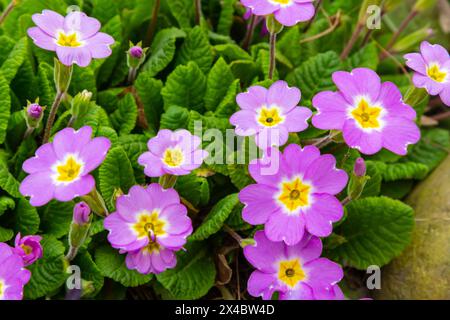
[
  {"x": 71, "y": 55},
  {"x": 42, "y": 39},
  {"x": 332, "y": 110},
  {"x": 325, "y": 210},
  {"x": 325, "y": 177},
  {"x": 366, "y": 142},
  {"x": 295, "y": 13},
  {"x": 297, "y": 119},
  {"x": 39, "y": 187},
  {"x": 399, "y": 133},
  {"x": 75, "y": 189},
  {"x": 259, "y": 203},
  {"x": 261, "y": 285},
  {"x": 287, "y": 228},
  {"x": 49, "y": 21},
  {"x": 359, "y": 82},
  {"x": 79, "y": 21},
  {"x": 283, "y": 96},
  {"x": 264, "y": 254},
  {"x": 254, "y": 98}
]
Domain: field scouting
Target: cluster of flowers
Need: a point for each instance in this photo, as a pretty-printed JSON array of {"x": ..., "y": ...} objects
[
  {"x": 13, "y": 260},
  {"x": 297, "y": 204}
]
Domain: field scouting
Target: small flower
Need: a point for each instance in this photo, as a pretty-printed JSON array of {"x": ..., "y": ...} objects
[
  {"x": 296, "y": 272},
  {"x": 150, "y": 225},
  {"x": 432, "y": 70},
  {"x": 286, "y": 12},
  {"x": 299, "y": 197},
  {"x": 360, "y": 167},
  {"x": 34, "y": 110},
  {"x": 136, "y": 52},
  {"x": 60, "y": 170},
  {"x": 270, "y": 114},
  {"x": 13, "y": 275},
  {"x": 75, "y": 38},
  {"x": 371, "y": 114},
  {"x": 174, "y": 153},
  {"x": 29, "y": 248},
  {"x": 81, "y": 213}
]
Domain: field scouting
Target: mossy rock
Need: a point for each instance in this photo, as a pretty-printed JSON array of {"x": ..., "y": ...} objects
[{"x": 422, "y": 272}]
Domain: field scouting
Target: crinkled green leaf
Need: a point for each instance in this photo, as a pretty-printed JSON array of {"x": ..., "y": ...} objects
[
  {"x": 314, "y": 75},
  {"x": 432, "y": 149},
  {"x": 215, "y": 219},
  {"x": 115, "y": 173},
  {"x": 149, "y": 91},
  {"x": 232, "y": 52},
  {"x": 186, "y": 87},
  {"x": 175, "y": 118},
  {"x": 89, "y": 271},
  {"x": 226, "y": 17},
  {"x": 196, "y": 48},
  {"x": 194, "y": 189},
  {"x": 56, "y": 218},
  {"x": 6, "y": 234},
  {"x": 26, "y": 218},
  {"x": 194, "y": 274},
  {"x": 219, "y": 80},
  {"x": 366, "y": 57},
  {"x": 5, "y": 107},
  {"x": 182, "y": 10},
  {"x": 375, "y": 231},
  {"x": 6, "y": 203},
  {"x": 15, "y": 59},
  {"x": 124, "y": 118},
  {"x": 162, "y": 50},
  {"x": 404, "y": 170},
  {"x": 112, "y": 265}
]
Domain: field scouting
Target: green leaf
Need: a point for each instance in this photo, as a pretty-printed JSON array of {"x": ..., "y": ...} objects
[
  {"x": 162, "y": 50},
  {"x": 83, "y": 79},
  {"x": 366, "y": 57},
  {"x": 112, "y": 265},
  {"x": 7, "y": 181},
  {"x": 215, "y": 219},
  {"x": 56, "y": 218},
  {"x": 228, "y": 105},
  {"x": 115, "y": 172},
  {"x": 196, "y": 48},
  {"x": 26, "y": 218},
  {"x": 239, "y": 175},
  {"x": 289, "y": 45},
  {"x": 404, "y": 170},
  {"x": 15, "y": 59},
  {"x": 89, "y": 271},
  {"x": 6, "y": 203},
  {"x": 373, "y": 186},
  {"x": 124, "y": 118},
  {"x": 226, "y": 17},
  {"x": 5, "y": 107},
  {"x": 48, "y": 273},
  {"x": 219, "y": 80},
  {"x": 134, "y": 145},
  {"x": 175, "y": 118},
  {"x": 194, "y": 274},
  {"x": 149, "y": 91},
  {"x": 314, "y": 75},
  {"x": 432, "y": 149},
  {"x": 186, "y": 87},
  {"x": 375, "y": 231},
  {"x": 182, "y": 10},
  {"x": 194, "y": 189},
  {"x": 232, "y": 52},
  {"x": 6, "y": 234}
]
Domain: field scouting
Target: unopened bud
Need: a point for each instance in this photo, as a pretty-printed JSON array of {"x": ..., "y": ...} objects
[
  {"x": 136, "y": 52},
  {"x": 33, "y": 114},
  {"x": 136, "y": 55},
  {"x": 360, "y": 167},
  {"x": 81, "y": 213}
]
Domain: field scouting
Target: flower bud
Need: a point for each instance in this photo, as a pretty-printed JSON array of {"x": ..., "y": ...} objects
[
  {"x": 28, "y": 248},
  {"x": 81, "y": 213},
  {"x": 273, "y": 25},
  {"x": 80, "y": 104},
  {"x": 34, "y": 111},
  {"x": 136, "y": 52},
  {"x": 360, "y": 168},
  {"x": 63, "y": 76}
]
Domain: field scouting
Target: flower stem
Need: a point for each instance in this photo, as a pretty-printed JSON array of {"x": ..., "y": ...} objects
[
  {"x": 346, "y": 201},
  {"x": 72, "y": 253},
  {"x": 28, "y": 133},
  {"x": 441, "y": 116},
  {"x": 250, "y": 31},
  {"x": 142, "y": 119},
  {"x": 348, "y": 48},
  {"x": 152, "y": 27},
  {"x": 198, "y": 11},
  {"x": 310, "y": 22},
  {"x": 273, "y": 48},
  {"x": 402, "y": 27},
  {"x": 233, "y": 234},
  {"x": 52, "y": 116},
  {"x": 7, "y": 11}
]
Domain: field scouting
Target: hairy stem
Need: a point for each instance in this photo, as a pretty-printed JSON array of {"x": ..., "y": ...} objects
[
  {"x": 71, "y": 254},
  {"x": 310, "y": 22},
  {"x": 153, "y": 23},
  {"x": 348, "y": 48},
  {"x": 232, "y": 233},
  {"x": 198, "y": 11},
  {"x": 273, "y": 48},
  {"x": 7, "y": 11},
  {"x": 52, "y": 116},
  {"x": 28, "y": 133},
  {"x": 250, "y": 31},
  {"x": 441, "y": 116},
  {"x": 402, "y": 27}
]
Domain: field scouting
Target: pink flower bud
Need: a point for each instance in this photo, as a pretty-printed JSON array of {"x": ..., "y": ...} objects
[
  {"x": 81, "y": 213},
  {"x": 28, "y": 248},
  {"x": 360, "y": 167},
  {"x": 136, "y": 52},
  {"x": 34, "y": 110}
]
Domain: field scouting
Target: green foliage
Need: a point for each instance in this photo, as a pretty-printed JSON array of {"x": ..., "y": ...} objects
[
  {"x": 194, "y": 274},
  {"x": 375, "y": 231},
  {"x": 196, "y": 48},
  {"x": 112, "y": 265}
]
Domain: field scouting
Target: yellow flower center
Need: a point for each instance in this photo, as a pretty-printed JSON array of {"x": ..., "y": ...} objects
[
  {"x": 68, "y": 40},
  {"x": 291, "y": 273},
  {"x": 294, "y": 194},
  {"x": 270, "y": 117},
  {"x": 149, "y": 225},
  {"x": 282, "y": 1},
  {"x": 1, "y": 288},
  {"x": 436, "y": 74},
  {"x": 366, "y": 115},
  {"x": 68, "y": 171},
  {"x": 173, "y": 157},
  {"x": 26, "y": 249}
]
